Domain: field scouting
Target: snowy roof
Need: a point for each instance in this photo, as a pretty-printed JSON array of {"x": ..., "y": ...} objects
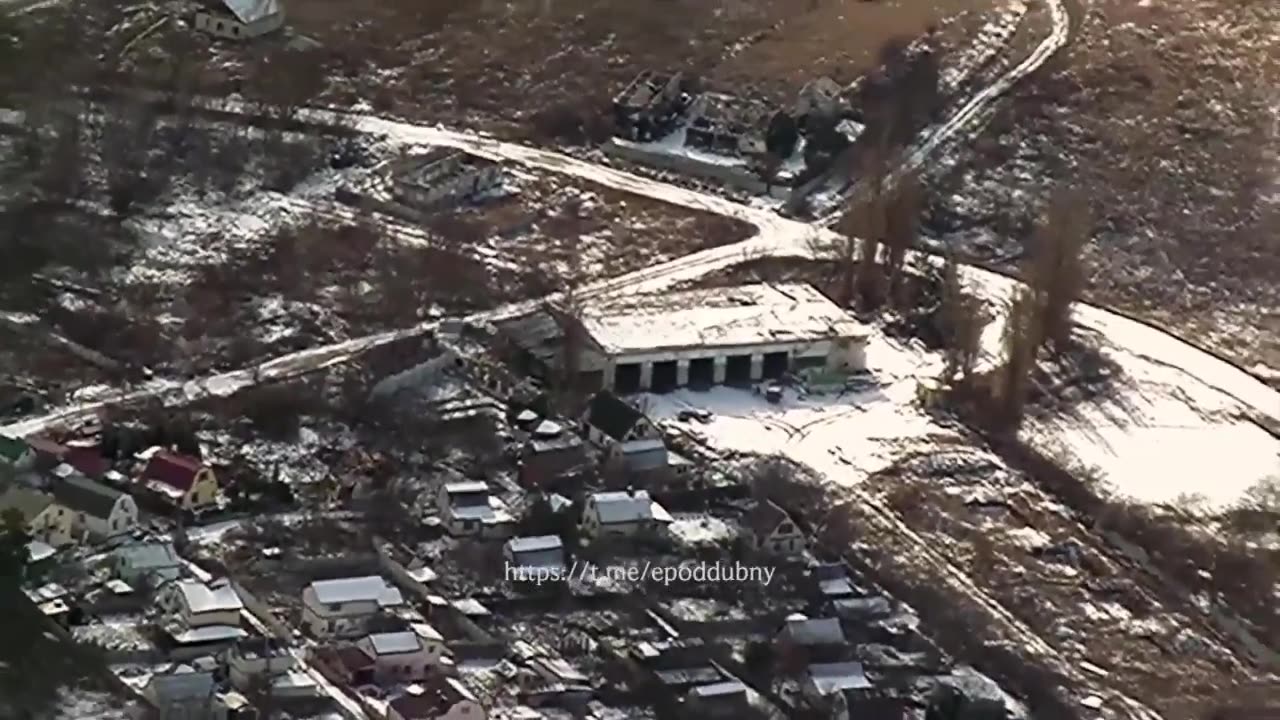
[
  {"x": 426, "y": 631},
  {"x": 642, "y": 446},
  {"x": 535, "y": 543},
  {"x": 37, "y": 551},
  {"x": 367, "y": 588},
  {"x": 209, "y": 598},
  {"x": 466, "y": 487},
  {"x": 209, "y": 633},
  {"x": 469, "y": 606},
  {"x": 624, "y": 507},
  {"x": 395, "y": 643},
  {"x": 248, "y": 11},
  {"x": 148, "y": 555},
  {"x": 719, "y": 690},
  {"x": 819, "y": 631},
  {"x": 741, "y": 316},
  {"x": 548, "y": 429},
  {"x": 830, "y": 678},
  {"x": 86, "y": 496}
]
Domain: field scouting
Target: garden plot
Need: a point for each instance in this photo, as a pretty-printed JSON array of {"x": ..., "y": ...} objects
[{"x": 1097, "y": 607}]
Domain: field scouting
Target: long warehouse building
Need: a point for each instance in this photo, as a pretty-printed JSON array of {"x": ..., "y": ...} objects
[{"x": 732, "y": 335}]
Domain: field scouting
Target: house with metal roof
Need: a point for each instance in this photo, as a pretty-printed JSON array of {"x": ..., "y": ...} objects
[
  {"x": 240, "y": 19},
  {"x": 97, "y": 510},
  {"x": 400, "y": 657},
  {"x": 180, "y": 480},
  {"x": 146, "y": 562},
  {"x": 622, "y": 514},
  {"x": 344, "y": 607}
]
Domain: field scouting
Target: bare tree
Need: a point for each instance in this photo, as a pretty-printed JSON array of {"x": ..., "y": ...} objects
[
  {"x": 1056, "y": 271},
  {"x": 1022, "y": 338},
  {"x": 963, "y": 318},
  {"x": 902, "y": 229}
]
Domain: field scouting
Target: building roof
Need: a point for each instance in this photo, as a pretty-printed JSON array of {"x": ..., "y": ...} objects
[
  {"x": 84, "y": 495},
  {"x": 172, "y": 470},
  {"x": 631, "y": 447},
  {"x": 733, "y": 317},
  {"x": 466, "y": 487},
  {"x": 394, "y": 643},
  {"x": 141, "y": 556},
  {"x": 367, "y": 588},
  {"x": 215, "y": 597},
  {"x": 831, "y": 678},
  {"x": 719, "y": 690},
  {"x": 816, "y": 631},
  {"x": 30, "y": 503},
  {"x": 535, "y": 543},
  {"x": 627, "y": 507},
  {"x": 612, "y": 415},
  {"x": 88, "y": 460},
  {"x": 209, "y": 634},
  {"x": 12, "y": 449},
  {"x": 765, "y": 517},
  {"x": 249, "y": 11}
]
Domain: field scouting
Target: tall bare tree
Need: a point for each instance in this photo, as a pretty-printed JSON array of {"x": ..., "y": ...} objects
[
  {"x": 1022, "y": 339},
  {"x": 902, "y": 229},
  {"x": 1056, "y": 271},
  {"x": 963, "y": 317}
]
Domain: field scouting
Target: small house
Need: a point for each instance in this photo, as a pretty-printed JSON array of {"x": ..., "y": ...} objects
[
  {"x": 773, "y": 531},
  {"x": 15, "y": 453},
  {"x": 622, "y": 514},
  {"x": 400, "y": 657},
  {"x": 805, "y": 640},
  {"x": 146, "y": 563},
  {"x": 548, "y": 463},
  {"x": 196, "y": 604},
  {"x": 822, "y": 680},
  {"x": 610, "y": 421},
  {"x": 467, "y": 508},
  {"x": 725, "y": 699},
  {"x": 43, "y": 518},
  {"x": 257, "y": 657},
  {"x": 182, "y": 481},
  {"x": 536, "y": 557},
  {"x": 181, "y": 692},
  {"x": 97, "y": 510},
  {"x": 344, "y": 607},
  {"x": 240, "y": 19}
]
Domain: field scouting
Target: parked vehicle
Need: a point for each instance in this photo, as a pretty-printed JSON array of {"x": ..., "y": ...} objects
[{"x": 773, "y": 394}]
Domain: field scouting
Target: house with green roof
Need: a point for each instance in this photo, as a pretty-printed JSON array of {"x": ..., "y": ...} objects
[{"x": 15, "y": 453}]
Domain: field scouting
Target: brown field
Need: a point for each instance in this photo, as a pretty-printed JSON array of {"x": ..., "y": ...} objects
[
  {"x": 504, "y": 64},
  {"x": 1166, "y": 113}
]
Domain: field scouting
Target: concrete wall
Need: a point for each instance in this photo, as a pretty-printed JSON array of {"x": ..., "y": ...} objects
[
  {"x": 732, "y": 175},
  {"x": 227, "y": 26}
]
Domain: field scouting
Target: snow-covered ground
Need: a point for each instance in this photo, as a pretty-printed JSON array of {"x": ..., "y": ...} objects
[{"x": 844, "y": 437}]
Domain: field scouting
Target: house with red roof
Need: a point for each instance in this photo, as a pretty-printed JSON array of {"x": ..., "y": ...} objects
[{"x": 181, "y": 480}]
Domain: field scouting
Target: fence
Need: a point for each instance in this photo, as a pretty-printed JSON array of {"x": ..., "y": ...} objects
[{"x": 732, "y": 175}]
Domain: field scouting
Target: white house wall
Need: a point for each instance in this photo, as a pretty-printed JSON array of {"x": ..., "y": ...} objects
[{"x": 853, "y": 358}]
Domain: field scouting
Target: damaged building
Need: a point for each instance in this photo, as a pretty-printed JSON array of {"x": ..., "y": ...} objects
[
  {"x": 441, "y": 176},
  {"x": 239, "y": 19},
  {"x": 650, "y": 106},
  {"x": 729, "y": 125},
  {"x": 699, "y": 338}
]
